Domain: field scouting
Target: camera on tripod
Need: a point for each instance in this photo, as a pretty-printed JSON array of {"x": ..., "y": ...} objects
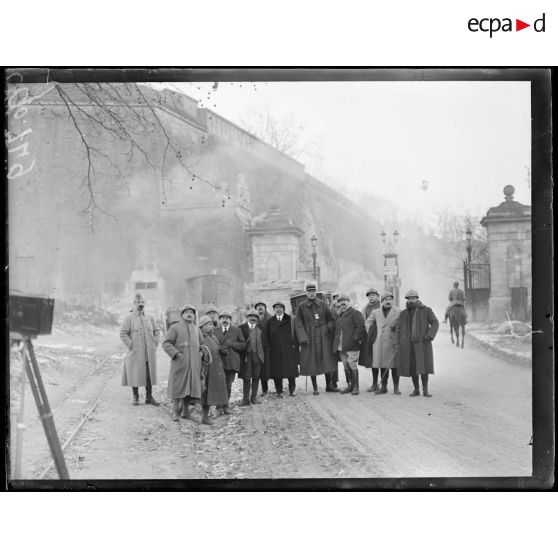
[{"x": 30, "y": 316}]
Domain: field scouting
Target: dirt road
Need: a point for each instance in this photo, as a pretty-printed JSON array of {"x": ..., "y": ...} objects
[{"x": 478, "y": 423}]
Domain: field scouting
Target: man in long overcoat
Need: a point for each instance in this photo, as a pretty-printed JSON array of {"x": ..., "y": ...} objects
[
  {"x": 214, "y": 385},
  {"x": 263, "y": 317},
  {"x": 366, "y": 350},
  {"x": 252, "y": 359},
  {"x": 416, "y": 329},
  {"x": 231, "y": 344},
  {"x": 140, "y": 334},
  {"x": 184, "y": 344},
  {"x": 382, "y": 324},
  {"x": 282, "y": 349},
  {"x": 314, "y": 326},
  {"x": 348, "y": 336}
]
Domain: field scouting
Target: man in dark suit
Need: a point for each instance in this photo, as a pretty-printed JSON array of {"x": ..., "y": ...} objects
[
  {"x": 349, "y": 334},
  {"x": 252, "y": 359},
  {"x": 263, "y": 316},
  {"x": 231, "y": 344}
]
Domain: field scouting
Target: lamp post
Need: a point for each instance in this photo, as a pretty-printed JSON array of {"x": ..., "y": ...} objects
[
  {"x": 391, "y": 264},
  {"x": 469, "y": 236},
  {"x": 314, "y": 242}
]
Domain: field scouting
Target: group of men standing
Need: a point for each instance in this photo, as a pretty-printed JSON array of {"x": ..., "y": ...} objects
[{"x": 205, "y": 357}]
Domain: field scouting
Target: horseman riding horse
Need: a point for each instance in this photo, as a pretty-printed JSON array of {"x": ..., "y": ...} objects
[{"x": 456, "y": 313}]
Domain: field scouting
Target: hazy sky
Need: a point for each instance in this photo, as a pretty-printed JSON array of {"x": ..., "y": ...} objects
[{"x": 466, "y": 139}]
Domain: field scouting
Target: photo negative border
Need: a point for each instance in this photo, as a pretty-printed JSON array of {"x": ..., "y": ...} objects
[{"x": 541, "y": 80}]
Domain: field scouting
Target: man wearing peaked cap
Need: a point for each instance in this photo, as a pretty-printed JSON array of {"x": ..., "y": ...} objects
[
  {"x": 382, "y": 324},
  {"x": 349, "y": 333},
  {"x": 140, "y": 334},
  {"x": 231, "y": 345},
  {"x": 366, "y": 350},
  {"x": 314, "y": 326},
  {"x": 416, "y": 329}
]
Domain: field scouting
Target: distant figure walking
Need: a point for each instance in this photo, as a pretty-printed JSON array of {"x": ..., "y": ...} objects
[{"x": 140, "y": 333}]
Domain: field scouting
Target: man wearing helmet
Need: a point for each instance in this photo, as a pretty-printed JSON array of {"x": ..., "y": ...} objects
[{"x": 415, "y": 330}]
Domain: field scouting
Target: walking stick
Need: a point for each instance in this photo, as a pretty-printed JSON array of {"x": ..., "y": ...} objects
[{"x": 387, "y": 367}]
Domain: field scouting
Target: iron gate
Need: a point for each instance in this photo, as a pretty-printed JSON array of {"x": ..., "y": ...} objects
[{"x": 477, "y": 289}]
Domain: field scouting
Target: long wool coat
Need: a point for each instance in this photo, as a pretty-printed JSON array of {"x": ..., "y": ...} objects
[
  {"x": 366, "y": 349},
  {"x": 140, "y": 349},
  {"x": 244, "y": 369},
  {"x": 213, "y": 375},
  {"x": 314, "y": 325},
  {"x": 385, "y": 337},
  {"x": 185, "y": 371},
  {"x": 232, "y": 344},
  {"x": 282, "y": 348},
  {"x": 350, "y": 327},
  {"x": 427, "y": 327}
]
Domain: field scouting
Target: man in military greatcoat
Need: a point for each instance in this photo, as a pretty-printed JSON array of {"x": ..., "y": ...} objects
[
  {"x": 282, "y": 349},
  {"x": 314, "y": 326},
  {"x": 416, "y": 329},
  {"x": 382, "y": 325},
  {"x": 231, "y": 344},
  {"x": 140, "y": 334},
  {"x": 252, "y": 359},
  {"x": 365, "y": 357},
  {"x": 456, "y": 296},
  {"x": 348, "y": 336}
]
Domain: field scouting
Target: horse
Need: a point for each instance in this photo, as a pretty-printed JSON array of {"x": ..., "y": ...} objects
[{"x": 457, "y": 318}]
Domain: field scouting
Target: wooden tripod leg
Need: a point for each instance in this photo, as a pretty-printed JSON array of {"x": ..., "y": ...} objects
[{"x": 45, "y": 414}]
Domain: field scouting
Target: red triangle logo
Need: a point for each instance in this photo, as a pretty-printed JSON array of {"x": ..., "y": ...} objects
[{"x": 519, "y": 25}]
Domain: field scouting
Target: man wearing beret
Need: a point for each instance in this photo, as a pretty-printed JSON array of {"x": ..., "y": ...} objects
[
  {"x": 382, "y": 324},
  {"x": 366, "y": 350},
  {"x": 231, "y": 344},
  {"x": 349, "y": 333},
  {"x": 314, "y": 326},
  {"x": 252, "y": 359},
  {"x": 416, "y": 329}
]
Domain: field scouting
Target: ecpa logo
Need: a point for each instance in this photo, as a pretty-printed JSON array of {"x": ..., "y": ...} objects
[{"x": 494, "y": 24}]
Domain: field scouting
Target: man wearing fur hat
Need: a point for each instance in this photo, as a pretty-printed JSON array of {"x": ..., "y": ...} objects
[
  {"x": 252, "y": 359},
  {"x": 366, "y": 350},
  {"x": 416, "y": 329},
  {"x": 349, "y": 333},
  {"x": 140, "y": 334},
  {"x": 314, "y": 326},
  {"x": 231, "y": 344},
  {"x": 184, "y": 344},
  {"x": 283, "y": 350},
  {"x": 381, "y": 325},
  {"x": 263, "y": 317},
  {"x": 213, "y": 383}
]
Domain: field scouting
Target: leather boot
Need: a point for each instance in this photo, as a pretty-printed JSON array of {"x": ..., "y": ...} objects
[
  {"x": 315, "y": 385},
  {"x": 374, "y": 387},
  {"x": 355, "y": 382},
  {"x": 135, "y": 396},
  {"x": 254, "y": 397},
  {"x": 186, "y": 411},
  {"x": 349, "y": 378},
  {"x": 205, "y": 415},
  {"x": 395, "y": 376},
  {"x": 227, "y": 410},
  {"x": 330, "y": 385},
  {"x": 245, "y": 394},
  {"x": 149, "y": 399},
  {"x": 175, "y": 409},
  {"x": 425, "y": 392},
  {"x": 416, "y": 386}
]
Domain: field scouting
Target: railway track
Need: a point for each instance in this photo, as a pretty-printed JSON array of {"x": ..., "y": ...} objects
[{"x": 69, "y": 415}]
